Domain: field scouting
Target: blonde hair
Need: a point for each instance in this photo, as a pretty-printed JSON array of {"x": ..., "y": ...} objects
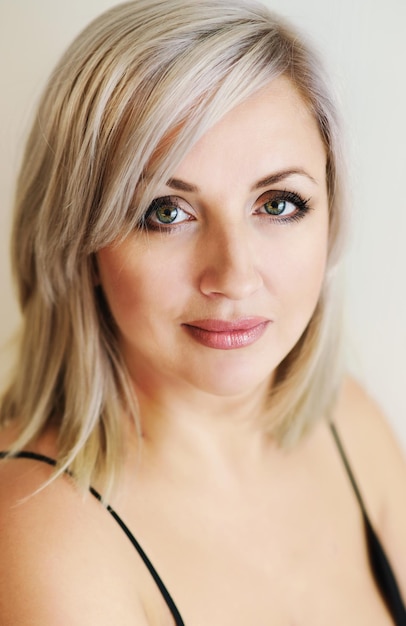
[{"x": 129, "y": 98}]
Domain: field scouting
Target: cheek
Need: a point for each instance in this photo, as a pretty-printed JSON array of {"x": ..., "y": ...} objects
[
  {"x": 119, "y": 281},
  {"x": 137, "y": 287},
  {"x": 301, "y": 275}
]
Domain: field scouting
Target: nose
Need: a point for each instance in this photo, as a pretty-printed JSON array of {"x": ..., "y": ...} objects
[{"x": 230, "y": 263}]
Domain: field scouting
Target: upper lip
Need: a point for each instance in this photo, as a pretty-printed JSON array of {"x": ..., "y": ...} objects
[{"x": 222, "y": 326}]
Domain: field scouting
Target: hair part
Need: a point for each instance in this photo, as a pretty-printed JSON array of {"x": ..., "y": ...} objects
[{"x": 130, "y": 97}]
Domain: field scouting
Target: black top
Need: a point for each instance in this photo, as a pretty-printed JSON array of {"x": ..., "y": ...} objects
[
  {"x": 380, "y": 566},
  {"x": 382, "y": 571}
]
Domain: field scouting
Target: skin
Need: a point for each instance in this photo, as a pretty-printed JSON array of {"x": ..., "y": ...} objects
[
  {"x": 240, "y": 531},
  {"x": 228, "y": 259}
]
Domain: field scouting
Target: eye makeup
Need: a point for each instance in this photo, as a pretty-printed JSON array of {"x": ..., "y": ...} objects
[
  {"x": 168, "y": 213},
  {"x": 164, "y": 214},
  {"x": 283, "y": 206}
]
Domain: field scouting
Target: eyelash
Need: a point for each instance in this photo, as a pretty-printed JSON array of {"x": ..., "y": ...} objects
[
  {"x": 302, "y": 207},
  {"x": 158, "y": 203}
]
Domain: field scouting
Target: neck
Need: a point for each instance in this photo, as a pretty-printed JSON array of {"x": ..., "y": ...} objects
[{"x": 193, "y": 427}]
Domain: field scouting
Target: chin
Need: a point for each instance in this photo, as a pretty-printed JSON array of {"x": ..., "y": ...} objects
[{"x": 232, "y": 382}]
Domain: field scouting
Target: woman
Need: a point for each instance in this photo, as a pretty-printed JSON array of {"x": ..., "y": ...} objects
[{"x": 178, "y": 224}]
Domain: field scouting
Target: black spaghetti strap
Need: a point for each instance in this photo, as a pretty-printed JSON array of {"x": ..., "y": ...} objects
[
  {"x": 165, "y": 593},
  {"x": 28, "y": 455},
  {"x": 380, "y": 565},
  {"x": 347, "y": 467},
  {"x": 384, "y": 575}
]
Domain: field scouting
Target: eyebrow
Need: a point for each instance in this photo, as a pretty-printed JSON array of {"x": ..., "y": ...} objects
[
  {"x": 176, "y": 183},
  {"x": 272, "y": 179},
  {"x": 278, "y": 177}
]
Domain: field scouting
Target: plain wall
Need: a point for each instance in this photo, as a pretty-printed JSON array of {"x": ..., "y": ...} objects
[{"x": 364, "y": 47}]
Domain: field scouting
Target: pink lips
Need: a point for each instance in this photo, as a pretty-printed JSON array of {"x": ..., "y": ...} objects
[{"x": 227, "y": 335}]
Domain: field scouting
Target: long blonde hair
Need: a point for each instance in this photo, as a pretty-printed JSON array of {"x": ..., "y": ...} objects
[{"x": 129, "y": 98}]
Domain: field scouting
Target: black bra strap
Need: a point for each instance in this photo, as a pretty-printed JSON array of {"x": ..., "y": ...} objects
[
  {"x": 384, "y": 576},
  {"x": 28, "y": 455},
  {"x": 348, "y": 467},
  {"x": 165, "y": 593},
  {"x": 380, "y": 565}
]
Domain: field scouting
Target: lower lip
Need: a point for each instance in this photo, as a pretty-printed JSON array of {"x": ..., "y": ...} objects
[{"x": 229, "y": 339}]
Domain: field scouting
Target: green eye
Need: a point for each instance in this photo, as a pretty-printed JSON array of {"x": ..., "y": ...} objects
[
  {"x": 166, "y": 214},
  {"x": 275, "y": 207}
]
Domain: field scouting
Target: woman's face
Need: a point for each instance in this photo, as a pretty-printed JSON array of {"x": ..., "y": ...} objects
[{"x": 219, "y": 282}]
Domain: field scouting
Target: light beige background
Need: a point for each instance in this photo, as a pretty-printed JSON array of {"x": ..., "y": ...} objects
[{"x": 364, "y": 46}]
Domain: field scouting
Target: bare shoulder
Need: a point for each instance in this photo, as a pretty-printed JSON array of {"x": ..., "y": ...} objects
[
  {"x": 379, "y": 465},
  {"x": 56, "y": 565},
  {"x": 370, "y": 441}
]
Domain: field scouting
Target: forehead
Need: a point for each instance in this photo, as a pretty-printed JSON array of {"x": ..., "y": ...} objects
[{"x": 272, "y": 130}]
